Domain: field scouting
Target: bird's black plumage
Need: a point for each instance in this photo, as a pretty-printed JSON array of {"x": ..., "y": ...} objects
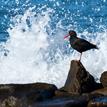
[{"x": 81, "y": 45}]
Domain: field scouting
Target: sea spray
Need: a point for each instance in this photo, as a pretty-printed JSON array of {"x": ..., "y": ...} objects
[
  {"x": 29, "y": 59},
  {"x": 36, "y": 51}
]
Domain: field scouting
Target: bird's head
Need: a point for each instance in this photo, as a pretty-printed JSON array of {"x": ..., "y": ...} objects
[{"x": 71, "y": 33}]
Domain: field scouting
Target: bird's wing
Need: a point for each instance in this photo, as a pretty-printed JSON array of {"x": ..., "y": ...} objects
[
  {"x": 84, "y": 45},
  {"x": 81, "y": 42}
]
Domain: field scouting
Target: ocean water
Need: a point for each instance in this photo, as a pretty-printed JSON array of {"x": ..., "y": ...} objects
[{"x": 32, "y": 48}]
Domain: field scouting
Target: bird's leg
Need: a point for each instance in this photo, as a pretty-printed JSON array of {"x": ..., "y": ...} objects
[{"x": 80, "y": 57}]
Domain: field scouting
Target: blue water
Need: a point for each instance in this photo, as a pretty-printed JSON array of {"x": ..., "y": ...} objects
[{"x": 90, "y": 15}]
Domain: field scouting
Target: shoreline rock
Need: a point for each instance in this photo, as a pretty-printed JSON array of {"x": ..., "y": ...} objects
[
  {"x": 80, "y": 90},
  {"x": 103, "y": 79},
  {"x": 79, "y": 80}
]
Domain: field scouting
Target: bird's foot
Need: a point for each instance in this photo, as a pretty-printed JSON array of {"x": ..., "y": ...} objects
[{"x": 79, "y": 60}]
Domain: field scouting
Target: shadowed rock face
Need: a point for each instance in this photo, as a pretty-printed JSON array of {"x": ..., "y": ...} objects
[
  {"x": 103, "y": 79},
  {"x": 11, "y": 102},
  {"x": 75, "y": 93},
  {"x": 79, "y": 101},
  {"x": 79, "y": 80},
  {"x": 102, "y": 91},
  {"x": 14, "y": 94}
]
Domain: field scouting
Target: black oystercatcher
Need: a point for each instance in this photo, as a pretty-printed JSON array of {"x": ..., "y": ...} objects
[{"x": 79, "y": 44}]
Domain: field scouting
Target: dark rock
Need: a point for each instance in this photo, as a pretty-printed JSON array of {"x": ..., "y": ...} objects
[
  {"x": 102, "y": 91},
  {"x": 73, "y": 101},
  {"x": 79, "y": 80},
  {"x": 11, "y": 102},
  {"x": 59, "y": 93},
  {"x": 29, "y": 92},
  {"x": 41, "y": 92},
  {"x": 103, "y": 79},
  {"x": 98, "y": 102},
  {"x": 6, "y": 91}
]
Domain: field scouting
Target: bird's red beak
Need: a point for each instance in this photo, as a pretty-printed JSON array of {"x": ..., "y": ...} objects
[{"x": 66, "y": 36}]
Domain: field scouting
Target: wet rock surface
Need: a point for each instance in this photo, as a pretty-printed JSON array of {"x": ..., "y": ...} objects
[
  {"x": 11, "y": 102},
  {"x": 103, "y": 79},
  {"x": 26, "y": 93},
  {"x": 79, "y": 80},
  {"x": 98, "y": 102},
  {"x": 73, "y": 101},
  {"x": 80, "y": 90},
  {"x": 102, "y": 91}
]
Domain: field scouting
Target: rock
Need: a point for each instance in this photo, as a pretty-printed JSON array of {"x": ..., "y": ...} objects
[
  {"x": 98, "y": 102},
  {"x": 11, "y": 102},
  {"x": 102, "y": 91},
  {"x": 59, "y": 93},
  {"x": 6, "y": 91},
  {"x": 30, "y": 93},
  {"x": 41, "y": 92},
  {"x": 73, "y": 101},
  {"x": 103, "y": 79},
  {"x": 79, "y": 80}
]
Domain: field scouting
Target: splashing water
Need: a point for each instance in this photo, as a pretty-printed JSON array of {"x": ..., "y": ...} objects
[
  {"x": 35, "y": 55},
  {"x": 28, "y": 48}
]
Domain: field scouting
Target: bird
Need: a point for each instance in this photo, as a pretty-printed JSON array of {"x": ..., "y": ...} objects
[{"x": 79, "y": 44}]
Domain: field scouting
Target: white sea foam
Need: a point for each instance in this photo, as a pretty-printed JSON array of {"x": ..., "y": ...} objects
[{"x": 35, "y": 56}]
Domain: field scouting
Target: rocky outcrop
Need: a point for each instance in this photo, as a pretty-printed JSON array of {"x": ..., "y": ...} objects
[
  {"x": 71, "y": 101},
  {"x": 103, "y": 79},
  {"x": 79, "y": 80},
  {"x": 79, "y": 91},
  {"x": 28, "y": 93}
]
